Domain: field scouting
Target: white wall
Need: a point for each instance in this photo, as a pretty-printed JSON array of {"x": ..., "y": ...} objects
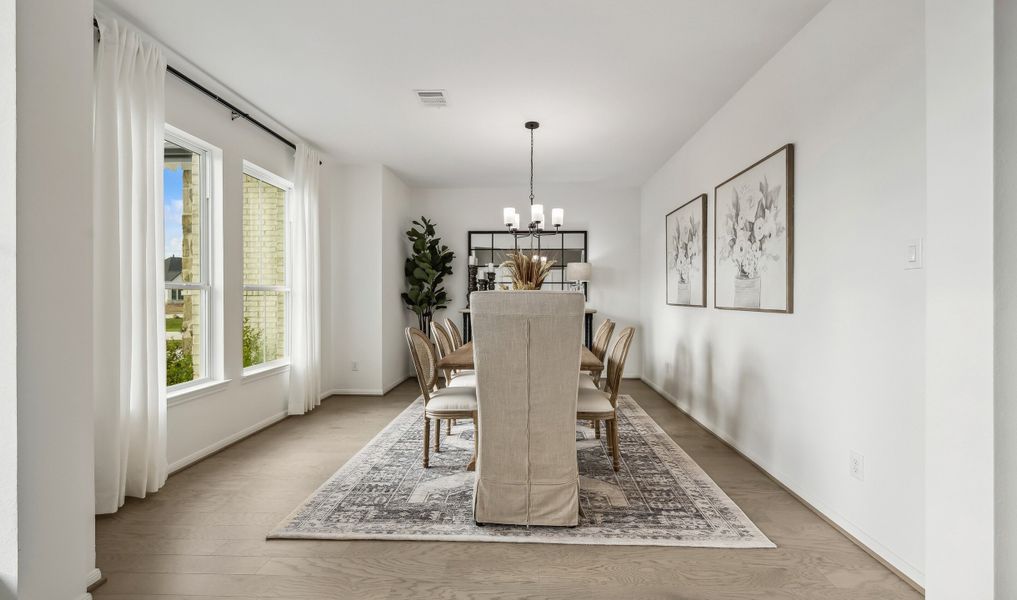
[
  {"x": 610, "y": 215},
  {"x": 54, "y": 258},
  {"x": 959, "y": 304},
  {"x": 1005, "y": 222},
  {"x": 797, "y": 393},
  {"x": 8, "y": 306},
  {"x": 201, "y": 425},
  {"x": 353, "y": 279},
  {"x": 395, "y": 220}
]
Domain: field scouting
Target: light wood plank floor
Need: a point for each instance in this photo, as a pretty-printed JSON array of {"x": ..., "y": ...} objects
[{"x": 203, "y": 535}]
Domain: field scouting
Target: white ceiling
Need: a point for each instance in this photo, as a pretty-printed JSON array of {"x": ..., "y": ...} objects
[{"x": 617, "y": 85}]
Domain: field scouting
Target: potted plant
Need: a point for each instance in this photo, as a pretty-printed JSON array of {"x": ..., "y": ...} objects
[{"x": 429, "y": 263}]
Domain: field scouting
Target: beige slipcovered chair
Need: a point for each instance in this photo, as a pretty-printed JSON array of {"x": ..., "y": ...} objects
[
  {"x": 445, "y": 403},
  {"x": 526, "y": 346},
  {"x": 600, "y": 405}
]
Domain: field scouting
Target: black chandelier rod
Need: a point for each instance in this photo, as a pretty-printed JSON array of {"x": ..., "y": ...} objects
[
  {"x": 531, "y": 165},
  {"x": 235, "y": 112}
]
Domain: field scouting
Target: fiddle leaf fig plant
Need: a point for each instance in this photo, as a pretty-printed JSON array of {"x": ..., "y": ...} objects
[{"x": 429, "y": 263}]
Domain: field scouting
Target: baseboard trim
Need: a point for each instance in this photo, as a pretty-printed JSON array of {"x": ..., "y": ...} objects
[
  {"x": 822, "y": 515},
  {"x": 354, "y": 392},
  {"x": 364, "y": 391},
  {"x": 222, "y": 444},
  {"x": 94, "y": 580}
]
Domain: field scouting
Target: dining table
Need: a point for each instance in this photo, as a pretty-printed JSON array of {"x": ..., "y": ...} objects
[{"x": 462, "y": 358}]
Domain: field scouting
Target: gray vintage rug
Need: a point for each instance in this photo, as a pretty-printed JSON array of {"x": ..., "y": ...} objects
[{"x": 660, "y": 497}]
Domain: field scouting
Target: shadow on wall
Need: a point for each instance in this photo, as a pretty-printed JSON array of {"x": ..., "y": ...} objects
[
  {"x": 6, "y": 593},
  {"x": 750, "y": 404},
  {"x": 692, "y": 380}
]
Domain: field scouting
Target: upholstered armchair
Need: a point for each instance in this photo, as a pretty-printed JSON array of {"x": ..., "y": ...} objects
[{"x": 526, "y": 346}]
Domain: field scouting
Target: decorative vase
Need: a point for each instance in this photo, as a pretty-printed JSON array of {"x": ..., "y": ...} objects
[
  {"x": 683, "y": 293},
  {"x": 471, "y": 282},
  {"x": 746, "y": 292}
]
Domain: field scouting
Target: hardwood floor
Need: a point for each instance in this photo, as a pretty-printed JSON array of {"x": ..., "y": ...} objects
[{"x": 203, "y": 535}]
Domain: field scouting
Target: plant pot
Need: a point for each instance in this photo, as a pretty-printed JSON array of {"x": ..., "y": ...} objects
[
  {"x": 746, "y": 292},
  {"x": 682, "y": 293}
]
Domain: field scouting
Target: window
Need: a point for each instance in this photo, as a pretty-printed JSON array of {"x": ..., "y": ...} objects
[
  {"x": 187, "y": 265},
  {"x": 266, "y": 273}
]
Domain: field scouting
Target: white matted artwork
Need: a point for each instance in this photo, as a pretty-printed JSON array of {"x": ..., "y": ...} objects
[
  {"x": 754, "y": 226},
  {"x": 685, "y": 232}
]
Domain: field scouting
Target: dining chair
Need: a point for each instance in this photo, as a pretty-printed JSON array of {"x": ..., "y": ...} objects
[
  {"x": 439, "y": 403},
  {"x": 599, "y": 349},
  {"x": 527, "y": 349},
  {"x": 598, "y": 405},
  {"x": 446, "y": 346},
  {"x": 453, "y": 331},
  {"x": 591, "y": 379}
]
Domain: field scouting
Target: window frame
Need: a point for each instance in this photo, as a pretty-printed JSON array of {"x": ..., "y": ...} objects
[
  {"x": 282, "y": 363},
  {"x": 211, "y": 266}
]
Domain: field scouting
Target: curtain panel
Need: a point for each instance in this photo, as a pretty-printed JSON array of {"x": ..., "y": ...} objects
[
  {"x": 129, "y": 338},
  {"x": 305, "y": 349}
]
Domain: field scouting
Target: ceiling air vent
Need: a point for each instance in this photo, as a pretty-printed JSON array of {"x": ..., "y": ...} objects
[{"x": 432, "y": 97}]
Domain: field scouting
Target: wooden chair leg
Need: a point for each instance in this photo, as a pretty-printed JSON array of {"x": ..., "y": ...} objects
[
  {"x": 437, "y": 435},
  {"x": 427, "y": 440},
  {"x": 615, "y": 451},
  {"x": 448, "y": 429},
  {"x": 596, "y": 427}
]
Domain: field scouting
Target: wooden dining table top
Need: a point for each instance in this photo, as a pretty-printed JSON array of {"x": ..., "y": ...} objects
[{"x": 463, "y": 359}]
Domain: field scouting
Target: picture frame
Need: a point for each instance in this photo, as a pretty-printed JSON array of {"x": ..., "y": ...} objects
[
  {"x": 754, "y": 236},
  {"x": 685, "y": 232}
]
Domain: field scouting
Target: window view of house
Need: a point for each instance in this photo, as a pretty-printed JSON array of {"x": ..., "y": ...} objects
[
  {"x": 185, "y": 282},
  {"x": 266, "y": 291}
]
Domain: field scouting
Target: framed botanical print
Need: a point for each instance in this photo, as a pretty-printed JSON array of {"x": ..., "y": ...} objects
[
  {"x": 753, "y": 227},
  {"x": 685, "y": 234}
]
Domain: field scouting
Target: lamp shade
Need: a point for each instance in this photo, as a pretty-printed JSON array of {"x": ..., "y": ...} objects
[{"x": 578, "y": 271}]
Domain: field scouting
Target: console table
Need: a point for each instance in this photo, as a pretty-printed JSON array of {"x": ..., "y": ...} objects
[{"x": 587, "y": 325}]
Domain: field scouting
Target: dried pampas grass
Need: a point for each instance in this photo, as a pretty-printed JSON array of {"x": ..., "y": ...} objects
[{"x": 527, "y": 272}]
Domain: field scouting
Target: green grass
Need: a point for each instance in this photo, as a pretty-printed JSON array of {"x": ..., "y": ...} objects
[{"x": 174, "y": 323}]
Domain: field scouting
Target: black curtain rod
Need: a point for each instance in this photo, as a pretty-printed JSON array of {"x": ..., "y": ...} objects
[{"x": 235, "y": 113}]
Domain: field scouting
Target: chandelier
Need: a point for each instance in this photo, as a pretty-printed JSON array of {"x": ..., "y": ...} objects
[{"x": 535, "y": 228}]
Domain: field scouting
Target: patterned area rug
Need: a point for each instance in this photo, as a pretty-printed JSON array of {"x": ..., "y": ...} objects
[{"x": 660, "y": 497}]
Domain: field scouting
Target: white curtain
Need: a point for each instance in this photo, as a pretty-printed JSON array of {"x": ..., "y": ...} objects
[
  {"x": 130, "y": 344},
  {"x": 305, "y": 349}
]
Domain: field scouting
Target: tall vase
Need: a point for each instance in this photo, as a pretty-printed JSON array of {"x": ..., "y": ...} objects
[
  {"x": 683, "y": 293},
  {"x": 471, "y": 282},
  {"x": 746, "y": 292}
]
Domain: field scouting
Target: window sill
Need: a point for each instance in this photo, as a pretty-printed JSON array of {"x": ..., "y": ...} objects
[
  {"x": 193, "y": 392},
  {"x": 266, "y": 370}
]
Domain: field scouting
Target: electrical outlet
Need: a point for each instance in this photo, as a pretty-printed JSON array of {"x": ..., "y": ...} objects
[
  {"x": 856, "y": 466},
  {"x": 356, "y": 366}
]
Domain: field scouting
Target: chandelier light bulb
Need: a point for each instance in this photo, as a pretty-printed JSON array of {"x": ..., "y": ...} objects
[{"x": 537, "y": 213}]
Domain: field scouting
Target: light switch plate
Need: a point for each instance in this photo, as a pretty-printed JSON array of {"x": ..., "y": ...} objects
[{"x": 914, "y": 254}]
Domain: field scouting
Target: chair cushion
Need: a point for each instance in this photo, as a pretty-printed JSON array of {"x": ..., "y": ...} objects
[
  {"x": 466, "y": 380},
  {"x": 453, "y": 399},
  {"x": 586, "y": 381},
  {"x": 593, "y": 401}
]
